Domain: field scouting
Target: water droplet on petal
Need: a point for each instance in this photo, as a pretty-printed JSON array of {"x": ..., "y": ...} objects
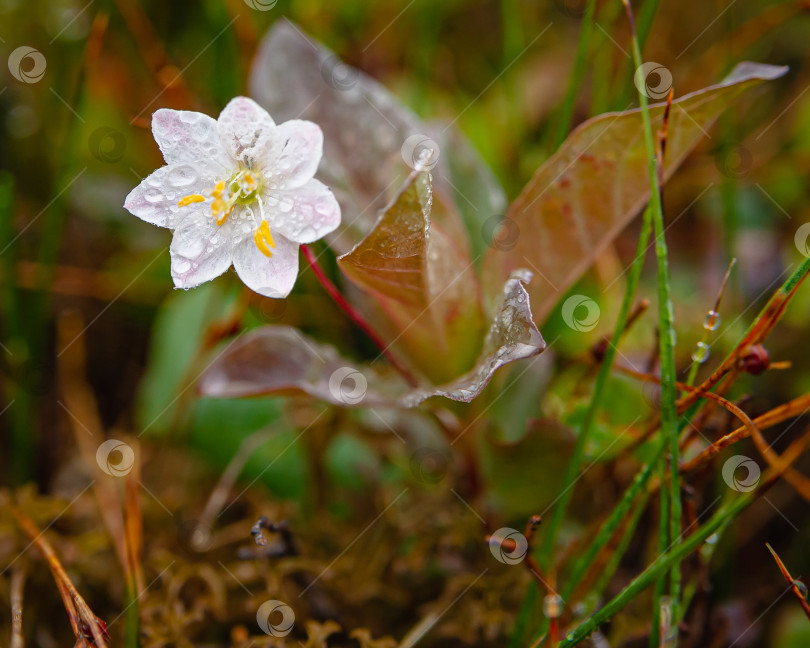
[
  {"x": 182, "y": 176},
  {"x": 181, "y": 265},
  {"x": 153, "y": 195}
]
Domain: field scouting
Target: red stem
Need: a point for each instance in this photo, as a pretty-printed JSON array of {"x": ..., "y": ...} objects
[{"x": 355, "y": 316}]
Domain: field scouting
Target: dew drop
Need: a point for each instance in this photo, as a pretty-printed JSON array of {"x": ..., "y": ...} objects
[
  {"x": 285, "y": 206},
  {"x": 308, "y": 234},
  {"x": 701, "y": 352},
  {"x": 192, "y": 247},
  {"x": 182, "y": 176},
  {"x": 153, "y": 195},
  {"x": 712, "y": 321},
  {"x": 802, "y": 587},
  {"x": 181, "y": 265}
]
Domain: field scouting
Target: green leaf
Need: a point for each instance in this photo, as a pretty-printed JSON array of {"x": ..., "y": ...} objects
[
  {"x": 221, "y": 425},
  {"x": 351, "y": 462},
  {"x": 584, "y": 194},
  {"x": 177, "y": 338}
]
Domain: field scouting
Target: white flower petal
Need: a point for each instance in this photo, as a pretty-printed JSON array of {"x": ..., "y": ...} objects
[
  {"x": 246, "y": 131},
  {"x": 155, "y": 199},
  {"x": 269, "y": 276},
  {"x": 187, "y": 136},
  {"x": 295, "y": 153},
  {"x": 305, "y": 214},
  {"x": 201, "y": 250}
]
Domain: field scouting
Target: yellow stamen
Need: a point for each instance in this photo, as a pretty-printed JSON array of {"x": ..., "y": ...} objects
[
  {"x": 263, "y": 239},
  {"x": 249, "y": 183},
  {"x": 193, "y": 198},
  {"x": 220, "y": 209}
]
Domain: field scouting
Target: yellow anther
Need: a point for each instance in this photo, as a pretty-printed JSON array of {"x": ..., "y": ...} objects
[
  {"x": 193, "y": 198},
  {"x": 220, "y": 208},
  {"x": 264, "y": 239},
  {"x": 249, "y": 183}
]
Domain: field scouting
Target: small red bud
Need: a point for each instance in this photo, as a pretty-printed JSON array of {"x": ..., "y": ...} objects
[{"x": 755, "y": 359}]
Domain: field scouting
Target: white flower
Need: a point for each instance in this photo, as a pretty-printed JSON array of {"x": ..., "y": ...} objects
[{"x": 239, "y": 189}]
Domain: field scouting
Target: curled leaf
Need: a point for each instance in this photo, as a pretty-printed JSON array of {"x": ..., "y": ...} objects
[{"x": 279, "y": 359}]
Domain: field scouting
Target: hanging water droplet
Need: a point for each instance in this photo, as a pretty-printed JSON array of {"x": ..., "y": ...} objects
[
  {"x": 308, "y": 234},
  {"x": 701, "y": 352},
  {"x": 712, "y": 321},
  {"x": 802, "y": 587}
]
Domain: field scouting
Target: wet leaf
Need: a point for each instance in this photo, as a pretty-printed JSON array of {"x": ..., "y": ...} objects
[
  {"x": 581, "y": 198},
  {"x": 423, "y": 283},
  {"x": 280, "y": 359},
  {"x": 365, "y": 128},
  {"x": 173, "y": 348},
  {"x": 512, "y": 336}
]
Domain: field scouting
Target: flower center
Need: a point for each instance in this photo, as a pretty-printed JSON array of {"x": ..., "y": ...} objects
[{"x": 242, "y": 189}]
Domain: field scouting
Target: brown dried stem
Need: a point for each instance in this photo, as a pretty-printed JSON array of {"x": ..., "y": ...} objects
[{"x": 80, "y": 614}]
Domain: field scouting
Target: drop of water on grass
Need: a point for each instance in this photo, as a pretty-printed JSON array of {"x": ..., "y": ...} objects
[
  {"x": 701, "y": 352},
  {"x": 712, "y": 321}
]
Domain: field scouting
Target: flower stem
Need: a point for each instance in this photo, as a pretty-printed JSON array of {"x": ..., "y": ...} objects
[{"x": 356, "y": 317}]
